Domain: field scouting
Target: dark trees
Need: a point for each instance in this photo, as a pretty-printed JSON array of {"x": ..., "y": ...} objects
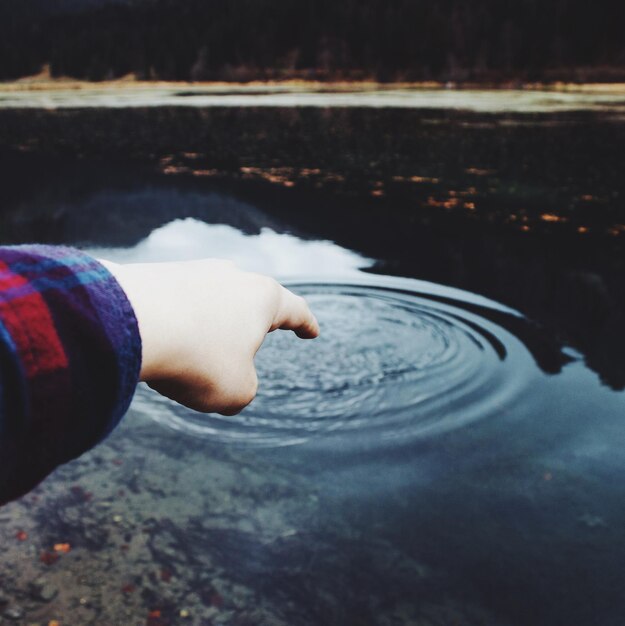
[{"x": 328, "y": 39}]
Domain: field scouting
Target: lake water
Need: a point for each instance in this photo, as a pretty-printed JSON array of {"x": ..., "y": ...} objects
[{"x": 449, "y": 451}]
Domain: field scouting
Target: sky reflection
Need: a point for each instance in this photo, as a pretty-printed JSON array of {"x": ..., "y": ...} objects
[{"x": 269, "y": 252}]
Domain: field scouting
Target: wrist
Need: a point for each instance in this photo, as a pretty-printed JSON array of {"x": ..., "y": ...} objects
[{"x": 137, "y": 293}]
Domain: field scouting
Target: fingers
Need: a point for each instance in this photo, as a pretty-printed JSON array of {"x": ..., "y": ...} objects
[{"x": 293, "y": 314}]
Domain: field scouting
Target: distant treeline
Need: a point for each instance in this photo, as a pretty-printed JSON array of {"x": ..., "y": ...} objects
[{"x": 458, "y": 40}]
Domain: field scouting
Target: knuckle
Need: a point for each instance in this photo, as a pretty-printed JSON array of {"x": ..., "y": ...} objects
[{"x": 268, "y": 282}]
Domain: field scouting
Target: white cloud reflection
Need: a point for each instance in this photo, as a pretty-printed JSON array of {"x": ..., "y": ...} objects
[{"x": 268, "y": 252}]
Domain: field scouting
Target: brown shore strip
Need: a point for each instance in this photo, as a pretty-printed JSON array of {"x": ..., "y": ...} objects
[{"x": 43, "y": 82}]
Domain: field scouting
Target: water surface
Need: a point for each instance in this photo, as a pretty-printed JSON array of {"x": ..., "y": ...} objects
[{"x": 449, "y": 451}]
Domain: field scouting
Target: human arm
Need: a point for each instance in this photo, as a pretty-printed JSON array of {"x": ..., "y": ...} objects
[{"x": 70, "y": 347}]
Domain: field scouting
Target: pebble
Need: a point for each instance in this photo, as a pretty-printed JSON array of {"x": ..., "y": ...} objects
[
  {"x": 48, "y": 592},
  {"x": 15, "y": 613},
  {"x": 41, "y": 589},
  {"x": 117, "y": 518}
]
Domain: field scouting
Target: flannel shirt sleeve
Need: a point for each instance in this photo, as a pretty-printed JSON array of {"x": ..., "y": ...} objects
[{"x": 70, "y": 355}]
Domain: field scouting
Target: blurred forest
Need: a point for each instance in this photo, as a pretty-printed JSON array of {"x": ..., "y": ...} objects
[{"x": 384, "y": 40}]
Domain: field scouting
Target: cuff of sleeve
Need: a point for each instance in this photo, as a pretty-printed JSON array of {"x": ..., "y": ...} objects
[
  {"x": 119, "y": 324},
  {"x": 74, "y": 343}
]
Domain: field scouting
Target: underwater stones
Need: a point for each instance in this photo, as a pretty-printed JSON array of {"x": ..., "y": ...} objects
[
  {"x": 43, "y": 590},
  {"x": 13, "y": 613},
  {"x": 592, "y": 521},
  {"x": 48, "y": 592}
]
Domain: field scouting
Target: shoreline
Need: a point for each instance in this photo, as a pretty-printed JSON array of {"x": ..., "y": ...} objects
[{"x": 57, "y": 84}]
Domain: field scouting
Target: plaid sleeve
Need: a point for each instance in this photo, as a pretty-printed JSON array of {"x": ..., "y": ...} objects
[{"x": 70, "y": 355}]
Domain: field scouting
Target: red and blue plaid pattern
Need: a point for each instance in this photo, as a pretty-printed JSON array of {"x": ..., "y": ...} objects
[{"x": 70, "y": 355}]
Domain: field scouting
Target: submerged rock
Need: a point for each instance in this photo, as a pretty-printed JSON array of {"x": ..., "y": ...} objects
[
  {"x": 43, "y": 590},
  {"x": 14, "y": 613}
]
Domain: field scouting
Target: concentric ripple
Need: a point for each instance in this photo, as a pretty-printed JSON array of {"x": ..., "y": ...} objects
[{"x": 392, "y": 363}]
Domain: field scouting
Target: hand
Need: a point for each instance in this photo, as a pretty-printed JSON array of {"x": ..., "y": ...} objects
[{"x": 201, "y": 324}]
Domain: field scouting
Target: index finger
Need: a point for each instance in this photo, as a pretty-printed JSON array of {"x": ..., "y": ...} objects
[{"x": 294, "y": 314}]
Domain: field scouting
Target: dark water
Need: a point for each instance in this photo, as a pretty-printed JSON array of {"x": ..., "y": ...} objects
[
  {"x": 393, "y": 366},
  {"x": 438, "y": 456}
]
